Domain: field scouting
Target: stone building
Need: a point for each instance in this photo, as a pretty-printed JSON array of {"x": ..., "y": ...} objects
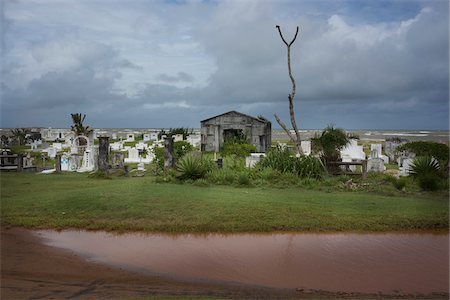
[{"x": 215, "y": 130}]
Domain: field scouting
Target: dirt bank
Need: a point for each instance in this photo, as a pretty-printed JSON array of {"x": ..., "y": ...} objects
[{"x": 30, "y": 269}]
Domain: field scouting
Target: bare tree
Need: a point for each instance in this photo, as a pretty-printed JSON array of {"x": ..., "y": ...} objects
[{"x": 294, "y": 138}]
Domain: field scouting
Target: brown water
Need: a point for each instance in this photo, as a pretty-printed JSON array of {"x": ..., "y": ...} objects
[{"x": 387, "y": 263}]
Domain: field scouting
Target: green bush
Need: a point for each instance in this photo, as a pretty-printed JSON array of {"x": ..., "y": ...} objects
[
  {"x": 233, "y": 162},
  {"x": 159, "y": 156},
  {"x": 398, "y": 183},
  {"x": 430, "y": 149},
  {"x": 240, "y": 150},
  {"x": 243, "y": 178},
  {"x": 279, "y": 159},
  {"x": 181, "y": 148},
  {"x": 309, "y": 167},
  {"x": 191, "y": 166}
]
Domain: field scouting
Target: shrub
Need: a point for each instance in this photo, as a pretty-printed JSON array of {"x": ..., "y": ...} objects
[
  {"x": 279, "y": 159},
  {"x": 234, "y": 163},
  {"x": 243, "y": 178},
  {"x": 430, "y": 149},
  {"x": 191, "y": 166},
  {"x": 309, "y": 166},
  {"x": 240, "y": 150},
  {"x": 181, "y": 148},
  {"x": 398, "y": 183},
  {"x": 269, "y": 174},
  {"x": 427, "y": 171}
]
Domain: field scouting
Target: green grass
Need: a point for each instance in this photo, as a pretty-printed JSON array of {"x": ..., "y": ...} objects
[{"x": 71, "y": 200}]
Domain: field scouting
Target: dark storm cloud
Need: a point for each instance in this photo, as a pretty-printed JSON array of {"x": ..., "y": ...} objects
[{"x": 125, "y": 69}]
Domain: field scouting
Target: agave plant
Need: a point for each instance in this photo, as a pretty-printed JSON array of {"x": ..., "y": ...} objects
[
  {"x": 427, "y": 171},
  {"x": 191, "y": 166},
  {"x": 425, "y": 165}
]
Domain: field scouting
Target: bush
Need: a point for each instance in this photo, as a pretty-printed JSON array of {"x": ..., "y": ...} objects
[
  {"x": 309, "y": 167},
  {"x": 430, "y": 149},
  {"x": 240, "y": 150},
  {"x": 191, "y": 166},
  {"x": 181, "y": 148},
  {"x": 243, "y": 178},
  {"x": 398, "y": 183},
  {"x": 279, "y": 159}
]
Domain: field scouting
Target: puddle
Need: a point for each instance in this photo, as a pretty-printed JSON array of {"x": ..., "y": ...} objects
[{"x": 369, "y": 263}]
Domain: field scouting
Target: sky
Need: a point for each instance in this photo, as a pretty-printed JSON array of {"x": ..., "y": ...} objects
[{"x": 159, "y": 64}]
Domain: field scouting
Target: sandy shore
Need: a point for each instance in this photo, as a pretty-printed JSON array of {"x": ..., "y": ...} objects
[{"x": 32, "y": 270}]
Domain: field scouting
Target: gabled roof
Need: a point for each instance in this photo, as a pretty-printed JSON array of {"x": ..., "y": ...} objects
[{"x": 238, "y": 113}]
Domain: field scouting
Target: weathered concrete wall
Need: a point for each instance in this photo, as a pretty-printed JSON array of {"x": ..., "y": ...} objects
[{"x": 258, "y": 132}]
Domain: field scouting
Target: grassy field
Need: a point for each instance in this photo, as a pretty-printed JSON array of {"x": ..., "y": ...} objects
[{"x": 141, "y": 204}]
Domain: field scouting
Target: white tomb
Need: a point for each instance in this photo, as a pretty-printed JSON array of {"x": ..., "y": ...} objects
[
  {"x": 405, "y": 167},
  {"x": 253, "y": 159},
  {"x": 306, "y": 147},
  {"x": 89, "y": 160},
  {"x": 130, "y": 137},
  {"x": 65, "y": 163},
  {"x": 177, "y": 137},
  {"x": 353, "y": 151}
]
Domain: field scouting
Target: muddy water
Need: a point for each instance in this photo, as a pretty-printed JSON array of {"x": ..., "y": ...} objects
[{"x": 407, "y": 263}]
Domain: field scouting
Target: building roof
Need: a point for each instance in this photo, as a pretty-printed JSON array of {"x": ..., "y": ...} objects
[{"x": 238, "y": 113}]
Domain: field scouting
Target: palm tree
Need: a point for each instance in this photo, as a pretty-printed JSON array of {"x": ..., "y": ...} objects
[
  {"x": 19, "y": 135},
  {"x": 330, "y": 142},
  {"x": 78, "y": 128}
]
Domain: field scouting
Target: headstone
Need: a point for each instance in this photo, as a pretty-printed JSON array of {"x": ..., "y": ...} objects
[
  {"x": 379, "y": 153},
  {"x": 141, "y": 167},
  {"x": 253, "y": 159},
  {"x": 405, "y": 167},
  {"x": 377, "y": 148},
  {"x": 306, "y": 147},
  {"x": 65, "y": 163},
  {"x": 114, "y": 136},
  {"x": 375, "y": 165},
  {"x": 103, "y": 153},
  {"x": 169, "y": 156}
]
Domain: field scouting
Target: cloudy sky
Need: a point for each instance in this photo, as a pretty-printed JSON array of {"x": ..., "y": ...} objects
[{"x": 154, "y": 63}]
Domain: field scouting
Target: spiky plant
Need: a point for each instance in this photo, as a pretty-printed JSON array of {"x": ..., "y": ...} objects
[
  {"x": 191, "y": 166},
  {"x": 427, "y": 171}
]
